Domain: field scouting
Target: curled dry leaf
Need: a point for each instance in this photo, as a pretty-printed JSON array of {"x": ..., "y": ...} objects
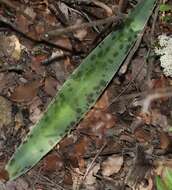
[
  {"x": 112, "y": 165},
  {"x": 26, "y": 92},
  {"x": 5, "y": 112}
]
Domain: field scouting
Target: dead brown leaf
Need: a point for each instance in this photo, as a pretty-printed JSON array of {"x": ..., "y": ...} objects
[
  {"x": 50, "y": 86},
  {"x": 26, "y": 92},
  {"x": 103, "y": 102},
  {"x": 52, "y": 163},
  {"x": 166, "y": 142},
  {"x": 142, "y": 135},
  {"x": 90, "y": 178},
  {"x": 65, "y": 42},
  {"x": 22, "y": 23},
  {"x": 34, "y": 110},
  {"x": 112, "y": 165},
  {"x": 36, "y": 64},
  {"x": 5, "y": 112}
]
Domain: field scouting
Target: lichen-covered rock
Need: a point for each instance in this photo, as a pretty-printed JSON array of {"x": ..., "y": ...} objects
[
  {"x": 165, "y": 51},
  {"x": 5, "y": 112}
]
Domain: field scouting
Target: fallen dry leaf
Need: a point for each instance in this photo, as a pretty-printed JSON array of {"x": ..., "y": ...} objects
[
  {"x": 22, "y": 23},
  {"x": 50, "y": 86},
  {"x": 19, "y": 122},
  {"x": 64, "y": 41},
  {"x": 40, "y": 28},
  {"x": 5, "y": 112},
  {"x": 29, "y": 11},
  {"x": 112, "y": 165},
  {"x": 26, "y": 92},
  {"x": 142, "y": 135},
  {"x": 103, "y": 102},
  {"x": 36, "y": 64},
  {"x": 80, "y": 33},
  {"x": 52, "y": 163},
  {"x": 34, "y": 110}
]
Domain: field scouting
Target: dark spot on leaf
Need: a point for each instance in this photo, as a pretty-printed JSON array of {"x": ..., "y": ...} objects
[
  {"x": 93, "y": 57},
  {"x": 41, "y": 150},
  {"x": 115, "y": 53},
  {"x": 68, "y": 128},
  {"x": 131, "y": 30},
  {"x": 102, "y": 83},
  {"x": 72, "y": 123},
  {"x": 110, "y": 60},
  {"x": 78, "y": 110},
  {"x": 90, "y": 100},
  {"x": 100, "y": 54},
  {"x": 104, "y": 75},
  {"x": 79, "y": 73},
  {"x": 78, "y": 118},
  {"x": 128, "y": 22},
  {"x": 130, "y": 38},
  {"x": 121, "y": 46},
  {"x": 96, "y": 88},
  {"x": 107, "y": 49},
  {"x": 61, "y": 95},
  {"x": 46, "y": 117}
]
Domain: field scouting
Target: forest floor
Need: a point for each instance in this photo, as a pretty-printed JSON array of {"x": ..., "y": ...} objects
[{"x": 125, "y": 140}]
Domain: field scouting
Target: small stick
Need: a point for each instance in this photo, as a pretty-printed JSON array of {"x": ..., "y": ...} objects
[
  {"x": 44, "y": 41},
  {"x": 58, "y": 32},
  {"x": 91, "y": 164}
]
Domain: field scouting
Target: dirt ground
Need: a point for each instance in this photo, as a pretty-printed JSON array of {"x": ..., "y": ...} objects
[{"x": 125, "y": 140}]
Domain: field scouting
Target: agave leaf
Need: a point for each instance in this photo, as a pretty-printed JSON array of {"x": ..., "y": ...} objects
[{"x": 80, "y": 92}]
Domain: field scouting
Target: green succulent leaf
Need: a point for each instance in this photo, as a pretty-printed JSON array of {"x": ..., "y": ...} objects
[
  {"x": 159, "y": 184},
  {"x": 80, "y": 92}
]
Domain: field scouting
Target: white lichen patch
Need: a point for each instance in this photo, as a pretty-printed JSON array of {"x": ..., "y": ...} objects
[{"x": 165, "y": 51}]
